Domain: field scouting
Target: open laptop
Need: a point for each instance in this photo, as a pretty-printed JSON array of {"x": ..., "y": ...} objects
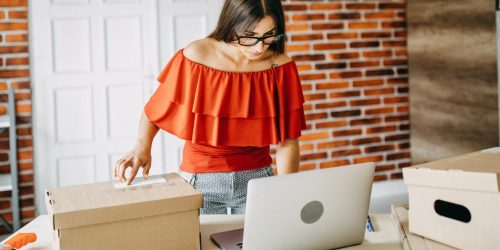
[{"x": 317, "y": 209}]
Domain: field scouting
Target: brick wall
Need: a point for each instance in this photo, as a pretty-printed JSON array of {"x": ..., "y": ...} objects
[
  {"x": 353, "y": 63},
  {"x": 14, "y": 73}
]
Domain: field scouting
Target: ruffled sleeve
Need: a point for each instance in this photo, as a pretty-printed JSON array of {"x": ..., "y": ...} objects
[{"x": 209, "y": 106}]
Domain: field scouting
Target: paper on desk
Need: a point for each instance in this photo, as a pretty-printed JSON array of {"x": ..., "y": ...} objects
[{"x": 140, "y": 182}]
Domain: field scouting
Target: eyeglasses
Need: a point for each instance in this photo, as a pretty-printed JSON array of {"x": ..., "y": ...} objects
[{"x": 252, "y": 40}]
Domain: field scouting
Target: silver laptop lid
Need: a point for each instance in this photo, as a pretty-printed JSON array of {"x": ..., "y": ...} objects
[{"x": 317, "y": 209}]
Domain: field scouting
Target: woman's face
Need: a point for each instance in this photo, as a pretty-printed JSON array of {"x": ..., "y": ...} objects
[{"x": 266, "y": 26}]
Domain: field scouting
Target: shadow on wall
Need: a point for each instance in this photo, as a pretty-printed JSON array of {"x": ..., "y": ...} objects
[{"x": 453, "y": 77}]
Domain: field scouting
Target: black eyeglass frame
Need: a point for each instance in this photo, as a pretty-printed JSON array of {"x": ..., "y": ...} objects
[{"x": 280, "y": 36}]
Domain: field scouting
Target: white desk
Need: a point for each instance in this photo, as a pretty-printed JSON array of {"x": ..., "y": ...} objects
[{"x": 385, "y": 236}]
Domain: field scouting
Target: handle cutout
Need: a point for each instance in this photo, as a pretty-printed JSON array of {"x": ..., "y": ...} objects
[{"x": 452, "y": 210}]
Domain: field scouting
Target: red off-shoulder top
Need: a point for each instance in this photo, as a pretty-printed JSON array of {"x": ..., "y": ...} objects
[{"x": 228, "y": 119}]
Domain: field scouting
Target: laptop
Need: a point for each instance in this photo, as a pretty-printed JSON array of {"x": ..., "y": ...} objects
[{"x": 317, "y": 209}]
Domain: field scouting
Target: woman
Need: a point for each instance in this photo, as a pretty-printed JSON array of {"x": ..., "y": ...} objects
[{"x": 230, "y": 96}]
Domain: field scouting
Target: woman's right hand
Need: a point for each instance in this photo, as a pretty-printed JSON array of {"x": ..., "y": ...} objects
[{"x": 138, "y": 157}]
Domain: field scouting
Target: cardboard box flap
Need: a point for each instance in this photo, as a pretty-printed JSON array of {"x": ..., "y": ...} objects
[
  {"x": 478, "y": 171},
  {"x": 96, "y": 203}
]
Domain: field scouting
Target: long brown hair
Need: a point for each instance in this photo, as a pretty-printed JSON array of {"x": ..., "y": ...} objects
[{"x": 238, "y": 16}]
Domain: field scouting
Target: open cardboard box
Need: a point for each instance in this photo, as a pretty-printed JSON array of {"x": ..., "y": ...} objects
[
  {"x": 456, "y": 201},
  {"x": 162, "y": 215}
]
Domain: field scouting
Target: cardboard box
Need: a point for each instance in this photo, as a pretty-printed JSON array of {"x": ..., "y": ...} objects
[
  {"x": 456, "y": 201},
  {"x": 161, "y": 215},
  {"x": 409, "y": 240}
]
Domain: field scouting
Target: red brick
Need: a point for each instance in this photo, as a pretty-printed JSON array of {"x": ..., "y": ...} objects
[
  {"x": 368, "y": 140},
  {"x": 346, "y": 113},
  {"x": 402, "y": 99},
  {"x": 398, "y": 156},
  {"x": 383, "y": 6},
  {"x": 316, "y": 116},
  {"x": 344, "y": 16},
  {"x": 325, "y": 6},
  {"x": 379, "y": 15},
  {"x": 396, "y": 24},
  {"x": 375, "y": 34},
  {"x": 397, "y": 137},
  {"x": 2, "y": 16},
  {"x": 395, "y": 176},
  {"x": 349, "y": 93},
  {"x": 365, "y": 121},
  {"x": 294, "y": 7},
  {"x": 22, "y": 14},
  {"x": 380, "y": 53},
  {"x": 13, "y": 73},
  {"x": 21, "y": 85},
  {"x": 402, "y": 90},
  {"x": 307, "y": 107},
  {"x": 364, "y": 64},
  {"x": 330, "y": 164},
  {"x": 403, "y": 127},
  {"x": 367, "y": 44},
  {"x": 331, "y": 105},
  {"x": 305, "y": 77},
  {"x": 333, "y": 65},
  {"x": 307, "y": 37},
  {"x": 297, "y": 27},
  {"x": 343, "y": 35},
  {"x": 345, "y": 74},
  {"x": 386, "y": 167},
  {"x": 309, "y": 57},
  {"x": 398, "y": 80},
  {"x": 364, "y": 83},
  {"x": 402, "y": 71},
  {"x": 400, "y": 33},
  {"x": 303, "y": 67},
  {"x": 13, "y": 49},
  {"x": 363, "y": 25},
  {"x": 333, "y": 85},
  {"x": 314, "y": 136},
  {"x": 381, "y": 148},
  {"x": 329, "y": 46},
  {"x": 345, "y": 55},
  {"x": 380, "y": 129},
  {"x": 307, "y": 167},
  {"x": 333, "y": 144},
  {"x": 365, "y": 102},
  {"x": 308, "y": 17},
  {"x": 346, "y": 132},
  {"x": 402, "y": 52},
  {"x": 16, "y": 38},
  {"x": 18, "y": 61},
  {"x": 13, "y": 3},
  {"x": 13, "y": 26},
  {"x": 384, "y": 91},
  {"x": 374, "y": 158},
  {"x": 404, "y": 164},
  {"x": 392, "y": 62},
  {"x": 398, "y": 118},
  {"x": 379, "y": 177},
  {"x": 305, "y": 157},
  {"x": 346, "y": 152},
  {"x": 405, "y": 145},
  {"x": 391, "y": 44},
  {"x": 318, "y": 96},
  {"x": 331, "y": 124},
  {"x": 360, "y": 6},
  {"x": 403, "y": 109},
  {"x": 379, "y": 72},
  {"x": 327, "y": 26}
]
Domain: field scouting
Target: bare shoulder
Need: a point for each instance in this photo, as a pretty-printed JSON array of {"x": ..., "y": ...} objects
[
  {"x": 282, "y": 59},
  {"x": 197, "y": 50}
]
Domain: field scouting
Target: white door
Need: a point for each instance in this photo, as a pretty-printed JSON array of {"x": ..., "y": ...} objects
[{"x": 94, "y": 64}]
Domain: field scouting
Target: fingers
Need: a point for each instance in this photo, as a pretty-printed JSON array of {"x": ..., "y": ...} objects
[
  {"x": 145, "y": 170},
  {"x": 121, "y": 170},
  {"x": 117, "y": 167},
  {"x": 133, "y": 173}
]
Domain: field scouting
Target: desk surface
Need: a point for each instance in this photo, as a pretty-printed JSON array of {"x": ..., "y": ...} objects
[{"x": 385, "y": 236}]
